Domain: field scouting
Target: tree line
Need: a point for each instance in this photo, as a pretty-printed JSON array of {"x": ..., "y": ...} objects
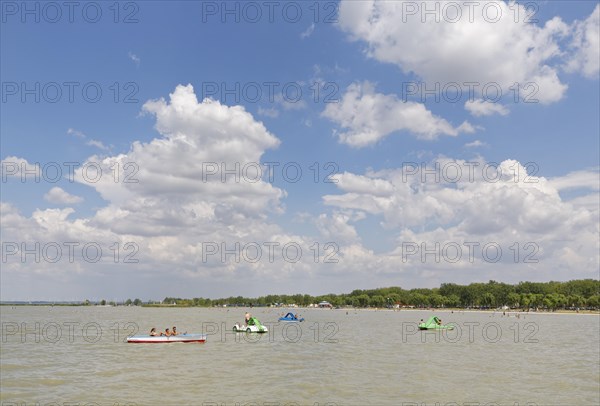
[{"x": 575, "y": 294}]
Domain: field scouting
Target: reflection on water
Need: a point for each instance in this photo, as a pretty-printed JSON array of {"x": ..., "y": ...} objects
[{"x": 335, "y": 357}]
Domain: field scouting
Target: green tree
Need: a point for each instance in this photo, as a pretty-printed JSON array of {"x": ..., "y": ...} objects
[
  {"x": 549, "y": 302},
  {"x": 536, "y": 299},
  {"x": 394, "y": 298},
  {"x": 363, "y": 300},
  {"x": 576, "y": 301},
  {"x": 594, "y": 301},
  {"x": 377, "y": 301},
  {"x": 525, "y": 300},
  {"x": 453, "y": 301},
  {"x": 513, "y": 300},
  {"x": 436, "y": 300},
  {"x": 488, "y": 300},
  {"x": 418, "y": 299}
]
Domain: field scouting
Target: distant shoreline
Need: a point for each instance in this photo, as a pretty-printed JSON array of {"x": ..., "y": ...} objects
[{"x": 370, "y": 309}]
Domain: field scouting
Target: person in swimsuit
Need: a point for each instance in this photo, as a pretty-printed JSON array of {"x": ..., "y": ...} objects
[{"x": 175, "y": 333}]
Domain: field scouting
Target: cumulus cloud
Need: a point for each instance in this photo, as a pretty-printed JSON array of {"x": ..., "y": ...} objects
[
  {"x": 197, "y": 184},
  {"x": 483, "y": 46},
  {"x": 198, "y": 181},
  {"x": 17, "y": 168},
  {"x": 367, "y": 117},
  {"x": 206, "y": 162},
  {"x": 351, "y": 183},
  {"x": 586, "y": 46},
  {"x": 450, "y": 191},
  {"x": 458, "y": 202},
  {"x": 169, "y": 204},
  {"x": 586, "y": 179},
  {"x": 336, "y": 227},
  {"x": 465, "y": 195},
  {"x": 479, "y": 107},
  {"x": 57, "y": 195}
]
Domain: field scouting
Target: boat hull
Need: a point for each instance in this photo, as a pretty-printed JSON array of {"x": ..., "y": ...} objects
[
  {"x": 437, "y": 328},
  {"x": 250, "y": 329},
  {"x": 183, "y": 338}
]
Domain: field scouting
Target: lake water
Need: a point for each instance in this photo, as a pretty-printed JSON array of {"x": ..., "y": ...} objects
[{"x": 77, "y": 355}]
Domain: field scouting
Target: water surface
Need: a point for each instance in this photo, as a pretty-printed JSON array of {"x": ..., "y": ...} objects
[{"x": 336, "y": 357}]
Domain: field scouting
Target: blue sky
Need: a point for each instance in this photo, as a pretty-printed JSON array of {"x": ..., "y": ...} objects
[{"x": 365, "y": 124}]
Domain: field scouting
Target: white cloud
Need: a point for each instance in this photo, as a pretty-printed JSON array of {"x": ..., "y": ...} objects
[
  {"x": 199, "y": 142},
  {"x": 134, "y": 58},
  {"x": 308, "y": 32},
  {"x": 173, "y": 209},
  {"x": 268, "y": 112},
  {"x": 589, "y": 202},
  {"x": 171, "y": 206},
  {"x": 351, "y": 183},
  {"x": 19, "y": 168},
  {"x": 586, "y": 46},
  {"x": 479, "y": 107},
  {"x": 454, "y": 193},
  {"x": 480, "y": 49},
  {"x": 57, "y": 195},
  {"x": 368, "y": 117},
  {"x": 335, "y": 227},
  {"x": 517, "y": 207},
  {"x": 588, "y": 179},
  {"x": 76, "y": 133},
  {"x": 475, "y": 144},
  {"x": 292, "y": 101},
  {"x": 97, "y": 144},
  {"x": 91, "y": 142}
]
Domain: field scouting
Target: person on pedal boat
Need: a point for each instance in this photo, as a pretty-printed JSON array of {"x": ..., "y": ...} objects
[{"x": 153, "y": 332}]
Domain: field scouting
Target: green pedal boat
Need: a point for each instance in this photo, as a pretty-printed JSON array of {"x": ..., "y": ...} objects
[{"x": 434, "y": 323}]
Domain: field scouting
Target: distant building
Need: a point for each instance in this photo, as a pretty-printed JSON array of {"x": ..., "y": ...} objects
[{"x": 325, "y": 304}]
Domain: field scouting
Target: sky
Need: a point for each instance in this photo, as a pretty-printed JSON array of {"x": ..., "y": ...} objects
[{"x": 215, "y": 149}]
